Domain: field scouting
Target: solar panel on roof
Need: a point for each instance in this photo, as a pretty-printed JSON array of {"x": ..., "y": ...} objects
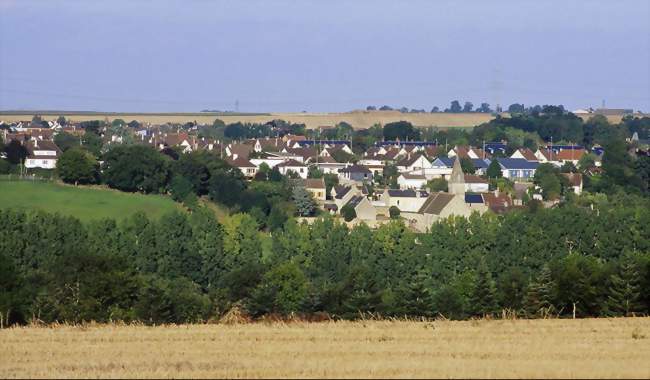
[{"x": 473, "y": 198}]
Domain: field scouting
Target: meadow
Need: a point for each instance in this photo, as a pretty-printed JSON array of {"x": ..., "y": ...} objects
[
  {"x": 84, "y": 203},
  {"x": 552, "y": 348}
]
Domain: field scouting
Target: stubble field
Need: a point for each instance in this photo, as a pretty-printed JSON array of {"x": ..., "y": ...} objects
[{"x": 588, "y": 348}]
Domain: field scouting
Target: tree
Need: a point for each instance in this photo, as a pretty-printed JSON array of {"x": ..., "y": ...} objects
[
  {"x": 624, "y": 290},
  {"x": 348, "y": 212},
  {"x": 135, "y": 168},
  {"x": 282, "y": 290},
  {"x": 586, "y": 162},
  {"x": 539, "y": 294},
  {"x": 438, "y": 184},
  {"x": 455, "y": 107},
  {"x": 448, "y": 302},
  {"x": 435, "y": 109},
  {"x": 414, "y": 298},
  {"x": 467, "y": 165},
  {"x": 484, "y": 108},
  {"x": 314, "y": 172},
  {"x": 66, "y": 141},
  {"x": 180, "y": 188},
  {"x": 547, "y": 177},
  {"x": 304, "y": 201},
  {"x": 516, "y": 108},
  {"x": 394, "y": 212},
  {"x": 494, "y": 169},
  {"x": 483, "y": 294},
  {"x": 77, "y": 166},
  {"x": 16, "y": 152},
  {"x": 402, "y": 130},
  {"x": 61, "y": 120},
  {"x": 468, "y": 107}
]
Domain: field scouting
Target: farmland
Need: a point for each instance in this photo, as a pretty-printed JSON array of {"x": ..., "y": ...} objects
[
  {"x": 588, "y": 348},
  {"x": 358, "y": 119},
  {"x": 83, "y": 203}
]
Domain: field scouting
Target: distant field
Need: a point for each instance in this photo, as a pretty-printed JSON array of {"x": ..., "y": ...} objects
[
  {"x": 83, "y": 203},
  {"x": 358, "y": 119},
  {"x": 581, "y": 348}
]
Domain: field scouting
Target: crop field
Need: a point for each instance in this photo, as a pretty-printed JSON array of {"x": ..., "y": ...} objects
[
  {"x": 82, "y": 202},
  {"x": 358, "y": 119},
  {"x": 587, "y": 348}
]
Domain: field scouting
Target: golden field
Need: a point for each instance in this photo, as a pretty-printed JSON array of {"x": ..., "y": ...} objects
[
  {"x": 587, "y": 348},
  {"x": 358, "y": 119}
]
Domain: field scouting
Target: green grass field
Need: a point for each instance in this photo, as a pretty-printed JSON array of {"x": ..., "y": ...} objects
[{"x": 83, "y": 203}]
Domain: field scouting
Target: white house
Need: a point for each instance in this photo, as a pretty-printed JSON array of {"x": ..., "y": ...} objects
[
  {"x": 42, "y": 154},
  {"x": 413, "y": 163},
  {"x": 406, "y": 200},
  {"x": 411, "y": 181},
  {"x": 293, "y": 166}
]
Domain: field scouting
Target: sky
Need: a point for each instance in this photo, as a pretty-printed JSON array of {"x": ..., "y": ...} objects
[{"x": 321, "y": 56}]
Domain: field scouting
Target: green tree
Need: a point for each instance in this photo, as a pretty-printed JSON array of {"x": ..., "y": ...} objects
[
  {"x": 304, "y": 201},
  {"x": 483, "y": 294},
  {"x": 180, "y": 188},
  {"x": 494, "y": 170},
  {"x": 438, "y": 184},
  {"x": 16, "y": 152},
  {"x": 624, "y": 290},
  {"x": 282, "y": 290},
  {"x": 539, "y": 294},
  {"x": 448, "y": 302},
  {"x": 135, "y": 168},
  {"x": 77, "y": 166},
  {"x": 348, "y": 213},
  {"x": 394, "y": 212},
  {"x": 66, "y": 141},
  {"x": 414, "y": 298},
  {"x": 467, "y": 165}
]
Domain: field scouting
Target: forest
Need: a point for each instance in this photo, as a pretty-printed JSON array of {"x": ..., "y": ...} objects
[{"x": 590, "y": 256}]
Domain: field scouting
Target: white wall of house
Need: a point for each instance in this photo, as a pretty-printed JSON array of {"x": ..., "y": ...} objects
[
  {"x": 411, "y": 183},
  {"x": 43, "y": 163},
  {"x": 300, "y": 170},
  {"x": 477, "y": 187},
  {"x": 271, "y": 162}
]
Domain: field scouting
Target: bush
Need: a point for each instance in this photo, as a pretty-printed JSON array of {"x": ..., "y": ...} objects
[
  {"x": 394, "y": 212},
  {"x": 348, "y": 213}
]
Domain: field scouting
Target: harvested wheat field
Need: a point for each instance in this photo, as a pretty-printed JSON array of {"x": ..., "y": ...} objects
[{"x": 588, "y": 348}]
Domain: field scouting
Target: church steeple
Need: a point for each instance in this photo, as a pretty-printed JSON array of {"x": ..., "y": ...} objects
[{"x": 456, "y": 182}]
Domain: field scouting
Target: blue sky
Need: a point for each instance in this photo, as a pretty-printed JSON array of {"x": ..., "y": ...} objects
[{"x": 321, "y": 56}]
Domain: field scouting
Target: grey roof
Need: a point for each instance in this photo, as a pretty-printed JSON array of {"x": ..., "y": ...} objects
[
  {"x": 355, "y": 200},
  {"x": 409, "y": 193},
  {"x": 517, "y": 163},
  {"x": 341, "y": 191},
  {"x": 356, "y": 169},
  {"x": 436, "y": 203}
]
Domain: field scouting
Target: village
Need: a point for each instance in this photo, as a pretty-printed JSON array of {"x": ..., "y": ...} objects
[{"x": 430, "y": 181}]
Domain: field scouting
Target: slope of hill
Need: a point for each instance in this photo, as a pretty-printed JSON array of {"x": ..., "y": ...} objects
[{"x": 81, "y": 202}]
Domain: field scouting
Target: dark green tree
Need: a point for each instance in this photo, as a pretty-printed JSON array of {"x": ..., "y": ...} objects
[
  {"x": 77, "y": 166},
  {"x": 482, "y": 299},
  {"x": 494, "y": 170}
]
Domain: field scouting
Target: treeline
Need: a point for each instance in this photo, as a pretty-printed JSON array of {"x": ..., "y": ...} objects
[{"x": 592, "y": 256}]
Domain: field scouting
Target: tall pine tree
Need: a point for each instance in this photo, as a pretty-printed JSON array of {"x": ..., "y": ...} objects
[
  {"x": 539, "y": 295},
  {"x": 624, "y": 291},
  {"x": 482, "y": 299}
]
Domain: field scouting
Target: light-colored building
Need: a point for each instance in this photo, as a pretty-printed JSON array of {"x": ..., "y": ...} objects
[
  {"x": 411, "y": 181},
  {"x": 293, "y": 166},
  {"x": 41, "y": 154}
]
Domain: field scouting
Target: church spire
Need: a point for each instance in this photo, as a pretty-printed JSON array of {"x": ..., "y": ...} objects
[{"x": 457, "y": 179}]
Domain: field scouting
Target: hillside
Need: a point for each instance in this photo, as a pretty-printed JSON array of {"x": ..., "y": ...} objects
[{"x": 83, "y": 203}]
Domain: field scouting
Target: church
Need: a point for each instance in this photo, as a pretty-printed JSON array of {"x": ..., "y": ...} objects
[{"x": 441, "y": 205}]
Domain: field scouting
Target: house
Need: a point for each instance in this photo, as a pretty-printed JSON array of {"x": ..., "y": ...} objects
[
  {"x": 293, "y": 166},
  {"x": 316, "y": 186},
  {"x": 467, "y": 152},
  {"x": 517, "y": 168},
  {"x": 363, "y": 208},
  {"x": 442, "y": 166},
  {"x": 247, "y": 168},
  {"x": 413, "y": 163},
  {"x": 342, "y": 194},
  {"x": 476, "y": 184},
  {"x": 411, "y": 181},
  {"x": 329, "y": 165},
  {"x": 241, "y": 150},
  {"x": 41, "y": 154},
  {"x": 575, "y": 181},
  {"x": 355, "y": 173},
  {"x": 525, "y": 153},
  {"x": 408, "y": 200},
  {"x": 498, "y": 202}
]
